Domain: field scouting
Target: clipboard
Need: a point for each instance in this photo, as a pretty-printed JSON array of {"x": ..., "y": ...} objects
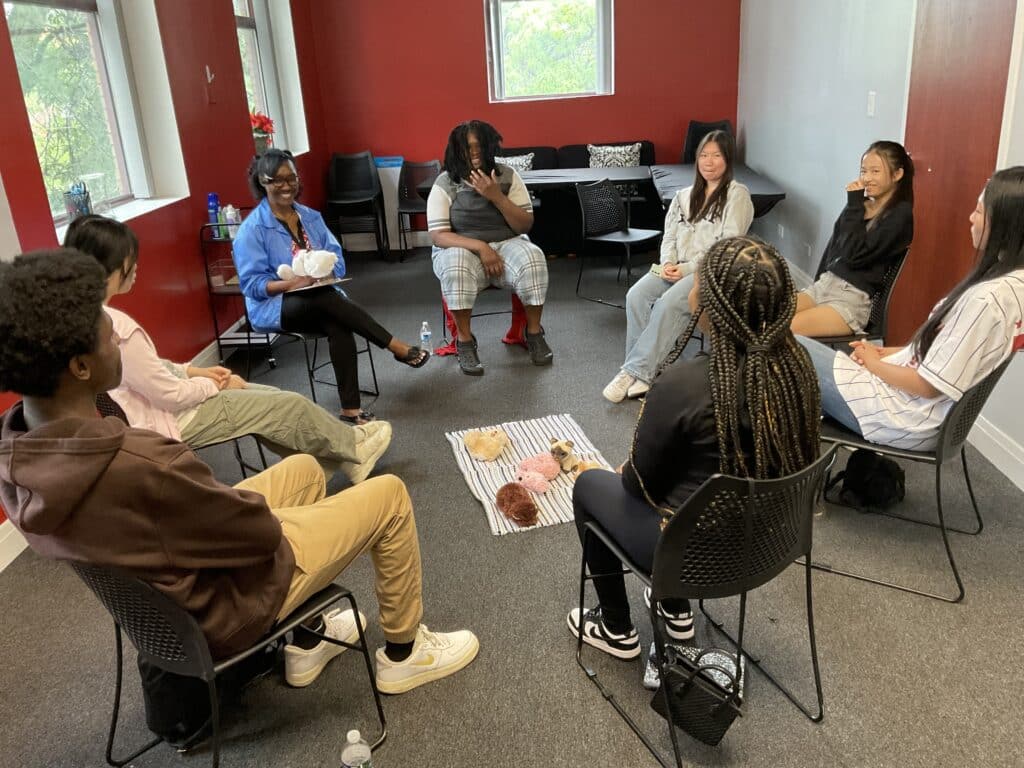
[{"x": 326, "y": 282}]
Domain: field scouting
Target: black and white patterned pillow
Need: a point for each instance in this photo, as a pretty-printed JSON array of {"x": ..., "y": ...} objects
[
  {"x": 518, "y": 163},
  {"x": 622, "y": 156}
]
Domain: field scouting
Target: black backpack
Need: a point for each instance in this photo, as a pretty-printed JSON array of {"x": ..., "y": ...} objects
[{"x": 870, "y": 481}]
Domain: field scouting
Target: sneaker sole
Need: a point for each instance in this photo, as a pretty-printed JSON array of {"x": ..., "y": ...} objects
[
  {"x": 428, "y": 676},
  {"x": 612, "y": 399},
  {"x": 617, "y": 653},
  {"x": 686, "y": 634},
  {"x": 361, "y": 471},
  {"x": 311, "y": 674}
]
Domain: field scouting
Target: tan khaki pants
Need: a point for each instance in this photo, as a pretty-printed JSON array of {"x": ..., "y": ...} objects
[{"x": 328, "y": 533}]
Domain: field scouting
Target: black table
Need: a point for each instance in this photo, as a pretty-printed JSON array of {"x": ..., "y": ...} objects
[
  {"x": 764, "y": 193},
  {"x": 552, "y": 178}
]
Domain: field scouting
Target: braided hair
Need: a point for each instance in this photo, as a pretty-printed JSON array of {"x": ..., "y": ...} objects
[
  {"x": 456, "y": 153},
  {"x": 747, "y": 294}
]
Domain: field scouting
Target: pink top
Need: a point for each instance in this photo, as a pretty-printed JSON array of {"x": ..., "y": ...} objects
[{"x": 154, "y": 393}]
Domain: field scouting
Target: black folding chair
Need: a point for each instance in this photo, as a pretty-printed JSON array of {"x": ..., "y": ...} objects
[
  {"x": 313, "y": 364},
  {"x": 355, "y": 200},
  {"x": 410, "y": 202},
  {"x": 878, "y": 321},
  {"x": 730, "y": 537},
  {"x": 952, "y": 435},
  {"x": 168, "y": 637},
  {"x": 605, "y": 221}
]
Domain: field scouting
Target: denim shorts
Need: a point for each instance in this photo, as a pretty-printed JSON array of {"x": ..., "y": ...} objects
[{"x": 852, "y": 304}]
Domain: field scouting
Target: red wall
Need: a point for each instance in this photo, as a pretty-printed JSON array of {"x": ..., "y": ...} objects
[{"x": 397, "y": 76}]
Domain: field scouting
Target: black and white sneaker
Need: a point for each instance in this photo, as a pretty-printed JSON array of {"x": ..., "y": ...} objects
[
  {"x": 679, "y": 626},
  {"x": 626, "y": 646}
]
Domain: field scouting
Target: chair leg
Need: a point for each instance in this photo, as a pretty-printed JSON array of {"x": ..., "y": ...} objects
[
  {"x": 309, "y": 368},
  {"x": 970, "y": 491},
  {"x": 364, "y": 647},
  {"x": 375, "y": 392},
  {"x": 579, "y": 279},
  {"x": 211, "y": 687},
  {"x": 813, "y": 717},
  {"x": 111, "y": 760}
]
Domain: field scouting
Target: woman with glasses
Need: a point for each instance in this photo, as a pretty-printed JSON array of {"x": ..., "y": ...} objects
[
  {"x": 656, "y": 306},
  {"x": 277, "y": 229}
]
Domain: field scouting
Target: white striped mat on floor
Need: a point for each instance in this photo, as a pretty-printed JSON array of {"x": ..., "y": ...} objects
[{"x": 526, "y": 438}]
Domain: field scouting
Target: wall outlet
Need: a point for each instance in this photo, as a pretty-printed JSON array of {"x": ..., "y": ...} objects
[
  {"x": 782, "y": 232},
  {"x": 809, "y": 255},
  {"x": 871, "y": 103}
]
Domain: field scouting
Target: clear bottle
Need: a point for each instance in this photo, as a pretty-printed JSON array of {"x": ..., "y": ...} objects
[
  {"x": 426, "y": 337},
  {"x": 356, "y": 753}
]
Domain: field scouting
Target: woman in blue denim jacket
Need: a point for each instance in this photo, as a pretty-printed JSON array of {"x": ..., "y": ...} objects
[{"x": 271, "y": 235}]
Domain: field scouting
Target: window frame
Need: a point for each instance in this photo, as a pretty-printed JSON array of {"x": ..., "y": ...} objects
[
  {"x": 259, "y": 21},
  {"x": 605, "y": 10},
  {"x": 113, "y": 65}
]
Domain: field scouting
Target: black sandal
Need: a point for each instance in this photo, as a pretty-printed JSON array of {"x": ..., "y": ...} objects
[
  {"x": 414, "y": 358},
  {"x": 363, "y": 417}
]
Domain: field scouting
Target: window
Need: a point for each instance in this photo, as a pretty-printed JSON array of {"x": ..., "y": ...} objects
[
  {"x": 267, "y": 47},
  {"x": 549, "y": 49},
  {"x": 71, "y": 63}
]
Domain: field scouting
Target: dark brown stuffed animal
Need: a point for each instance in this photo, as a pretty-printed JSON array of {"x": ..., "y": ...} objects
[{"x": 515, "y": 503}]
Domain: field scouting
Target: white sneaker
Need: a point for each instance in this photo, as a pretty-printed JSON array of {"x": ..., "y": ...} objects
[
  {"x": 434, "y": 655},
  {"x": 678, "y": 626},
  {"x": 302, "y": 666},
  {"x": 638, "y": 389},
  {"x": 616, "y": 390},
  {"x": 372, "y": 441},
  {"x": 596, "y": 634}
]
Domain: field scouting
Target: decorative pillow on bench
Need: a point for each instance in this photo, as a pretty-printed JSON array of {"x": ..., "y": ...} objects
[
  {"x": 616, "y": 156},
  {"x": 521, "y": 163}
]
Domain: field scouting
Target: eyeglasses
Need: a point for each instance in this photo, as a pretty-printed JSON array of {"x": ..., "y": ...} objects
[{"x": 280, "y": 183}]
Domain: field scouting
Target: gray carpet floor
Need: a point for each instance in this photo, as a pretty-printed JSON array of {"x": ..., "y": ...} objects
[{"x": 908, "y": 681}]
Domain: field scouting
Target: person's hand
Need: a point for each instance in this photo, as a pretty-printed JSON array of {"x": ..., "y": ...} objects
[
  {"x": 865, "y": 354},
  {"x": 300, "y": 281},
  {"x": 855, "y": 186},
  {"x": 218, "y": 373},
  {"x": 671, "y": 272},
  {"x": 235, "y": 382},
  {"x": 487, "y": 186},
  {"x": 492, "y": 263}
]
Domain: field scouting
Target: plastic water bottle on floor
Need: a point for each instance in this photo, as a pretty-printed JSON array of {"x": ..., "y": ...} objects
[
  {"x": 356, "y": 753},
  {"x": 426, "y": 337}
]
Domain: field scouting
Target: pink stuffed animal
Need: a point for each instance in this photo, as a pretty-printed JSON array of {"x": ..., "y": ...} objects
[
  {"x": 532, "y": 481},
  {"x": 542, "y": 463}
]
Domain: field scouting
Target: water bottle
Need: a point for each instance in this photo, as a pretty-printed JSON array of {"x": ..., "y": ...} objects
[
  {"x": 233, "y": 218},
  {"x": 213, "y": 211},
  {"x": 356, "y": 753},
  {"x": 425, "y": 337}
]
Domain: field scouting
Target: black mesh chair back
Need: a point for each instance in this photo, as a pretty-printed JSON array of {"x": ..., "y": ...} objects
[
  {"x": 878, "y": 322},
  {"x": 352, "y": 178},
  {"x": 964, "y": 413},
  {"x": 602, "y": 207},
  {"x": 107, "y": 406},
  {"x": 734, "y": 534},
  {"x": 411, "y": 175},
  {"x": 697, "y": 131},
  {"x": 161, "y": 631}
]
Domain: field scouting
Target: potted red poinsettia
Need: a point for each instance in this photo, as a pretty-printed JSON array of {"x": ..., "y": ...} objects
[{"x": 262, "y": 130}]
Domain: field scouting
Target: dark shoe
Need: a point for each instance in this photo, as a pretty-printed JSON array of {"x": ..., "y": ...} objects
[
  {"x": 414, "y": 358},
  {"x": 540, "y": 352},
  {"x": 363, "y": 417},
  {"x": 469, "y": 361}
]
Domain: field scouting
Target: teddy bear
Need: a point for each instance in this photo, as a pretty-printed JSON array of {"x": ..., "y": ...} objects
[
  {"x": 515, "y": 503},
  {"x": 586, "y": 464},
  {"x": 562, "y": 451},
  {"x": 532, "y": 481},
  {"x": 316, "y": 264},
  {"x": 542, "y": 463},
  {"x": 485, "y": 446}
]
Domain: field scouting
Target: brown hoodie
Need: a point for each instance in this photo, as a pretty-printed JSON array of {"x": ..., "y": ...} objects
[{"x": 97, "y": 491}]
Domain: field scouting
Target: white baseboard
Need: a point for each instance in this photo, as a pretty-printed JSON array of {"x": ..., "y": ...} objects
[
  {"x": 995, "y": 445},
  {"x": 11, "y": 543}
]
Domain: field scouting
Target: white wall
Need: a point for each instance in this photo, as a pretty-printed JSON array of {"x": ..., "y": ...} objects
[
  {"x": 806, "y": 67},
  {"x": 999, "y": 433}
]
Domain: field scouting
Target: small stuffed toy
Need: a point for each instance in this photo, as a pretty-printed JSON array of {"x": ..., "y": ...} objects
[
  {"x": 515, "y": 503},
  {"x": 586, "y": 464},
  {"x": 533, "y": 481},
  {"x": 485, "y": 446},
  {"x": 542, "y": 463},
  {"x": 562, "y": 451},
  {"x": 316, "y": 264}
]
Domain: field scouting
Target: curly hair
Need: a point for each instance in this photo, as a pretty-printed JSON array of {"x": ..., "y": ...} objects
[
  {"x": 456, "y": 154},
  {"x": 50, "y": 305},
  {"x": 756, "y": 363}
]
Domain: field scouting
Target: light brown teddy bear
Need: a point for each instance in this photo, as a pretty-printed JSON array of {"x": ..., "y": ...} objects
[
  {"x": 485, "y": 445},
  {"x": 562, "y": 451}
]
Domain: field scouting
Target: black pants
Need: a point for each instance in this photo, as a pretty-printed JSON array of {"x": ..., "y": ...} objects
[
  {"x": 599, "y": 496},
  {"x": 329, "y": 311}
]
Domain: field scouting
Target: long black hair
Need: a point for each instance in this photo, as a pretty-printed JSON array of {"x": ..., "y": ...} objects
[
  {"x": 756, "y": 364},
  {"x": 895, "y": 156},
  {"x": 1000, "y": 251},
  {"x": 264, "y": 167},
  {"x": 712, "y": 207},
  {"x": 456, "y": 154},
  {"x": 108, "y": 241}
]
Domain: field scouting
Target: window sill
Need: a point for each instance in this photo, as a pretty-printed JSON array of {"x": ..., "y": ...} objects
[{"x": 130, "y": 210}]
